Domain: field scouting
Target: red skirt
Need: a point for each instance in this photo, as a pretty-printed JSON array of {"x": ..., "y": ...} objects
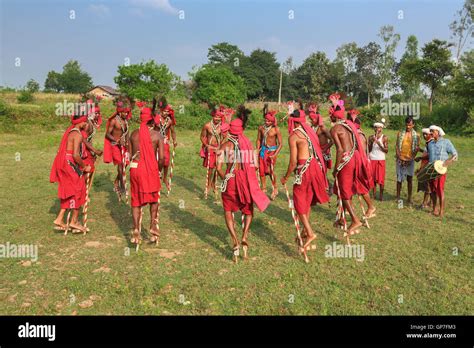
[
  {"x": 212, "y": 159},
  {"x": 346, "y": 178},
  {"x": 140, "y": 198},
  {"x": 78, "y": 198},
  {"x": 378, "y": 171},
  {"x": 237, "y": 194},
  {"x": 117, "y": 155},
  {"x": 312, "y": 189},
  {"x": 265, "y": 162}
]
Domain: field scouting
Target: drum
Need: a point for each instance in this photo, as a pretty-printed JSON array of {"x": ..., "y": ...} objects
[{"x": 431, "y": 171}]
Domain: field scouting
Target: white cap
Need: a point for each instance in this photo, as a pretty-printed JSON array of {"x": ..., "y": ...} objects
[
  {"x": 439, "y": 129},
  {"x": 425, "y": 131},
  {"x": 378, "y": 124}
]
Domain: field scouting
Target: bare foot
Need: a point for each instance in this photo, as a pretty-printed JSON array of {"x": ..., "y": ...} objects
[
  {"x": 77, "y": 226},
  {"x": 59, "y": 225},
  {"x": 308, "y": 241},
  {"x": 155, "y": 236},
  {"x": 370, "y": 213},
  {"x": 354, "y": 226},
  {"x": 245, "y": 248}
]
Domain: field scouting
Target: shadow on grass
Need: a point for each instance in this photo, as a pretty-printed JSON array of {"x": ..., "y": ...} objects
[
  {"x": 205, "y": 231},
  {"x": 119, "y": 211}
]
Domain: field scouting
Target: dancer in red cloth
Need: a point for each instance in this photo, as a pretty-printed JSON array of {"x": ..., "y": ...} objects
[
  {"x": 364, "y": 182},
  {"x": 323, "y": 133},
  {"x": 307, "y": 161},
  {"x": 115, "y": 145},
  {"x": 165, "y": 124},
  {"x": 90, "y": 152},
  {"x": 378, "y": 148},
  {"x": 240, "y": 189},
  {"x": 67, "y": 171},
  {"x": 145, "y": 144},
  {"x": 269, "y": 145},
  {"x": 211, "y": 140},
  {"x": 348, "y": 161}
]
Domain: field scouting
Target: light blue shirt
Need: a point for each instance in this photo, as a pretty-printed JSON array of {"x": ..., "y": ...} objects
[{"x": 441, "y": 149}]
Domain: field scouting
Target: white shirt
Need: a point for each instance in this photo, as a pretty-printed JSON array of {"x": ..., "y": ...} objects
[{"x": 377, "y": 154}]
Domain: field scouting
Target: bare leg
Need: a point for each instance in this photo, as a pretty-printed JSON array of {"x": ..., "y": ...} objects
[
  {"x": 381, "y": 193},
  {"x": 60, "y": 218},
  {"x": 435, "y": 210},
  {"x": 229, "y": 221},
  {"x": 136, "y": 223},
  {"x": 355, "y": 223},
  {"x": 154, "y": 228},
  {"x": 74, "y": 220},
  {"x": 245, "y": 234},
  {"x": 210, "y": 179},
  {"x": 274, "y": 185},
  {"x": 370, "y": 206},
  {"x": 263, "y": 180},
  {"x": 310, "y": 235},
  {"x": 410, "y": 188},
  {"x": 399, "y": 189},
  {"x": 165, "y": 176},
  {"x": 441, "y": 204}
]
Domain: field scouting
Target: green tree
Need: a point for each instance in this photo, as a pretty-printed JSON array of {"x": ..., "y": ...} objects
[
  {"x": 461, "y": 27},
  {"x": 409, "y": 84},
  {"x": 433, "y": 68},
  {"x": 267, "y": 70},
  {"x": 462, "y": 85},
  {"x": 367, "y": 65},
  {"x": 53, "y": 82},
  {"x": 346, "y": 56},
  {"x": 32, "y": 86},
  {"x": 313, "y": 76},
  {"x": 218, "y": 85},
  {"x": 73, "y": 79},
  {"x": 224, "y": 53},
  {"x": 145, "y": 80},
  {"x": 390, "y": 41}
]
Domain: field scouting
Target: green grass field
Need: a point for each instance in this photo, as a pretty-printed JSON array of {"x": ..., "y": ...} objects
[{"x": 414, "y": 263}]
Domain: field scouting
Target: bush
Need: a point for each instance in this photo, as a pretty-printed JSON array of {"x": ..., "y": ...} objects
[
  {"x": 218, "y": 85},
  {"x": 25, "y": 96}
]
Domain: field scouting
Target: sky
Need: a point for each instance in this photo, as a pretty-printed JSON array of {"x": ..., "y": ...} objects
[{"x": 38, "y": 36}]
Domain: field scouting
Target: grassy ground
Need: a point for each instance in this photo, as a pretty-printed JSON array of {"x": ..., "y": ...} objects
[{"x": 414, "y": 263}]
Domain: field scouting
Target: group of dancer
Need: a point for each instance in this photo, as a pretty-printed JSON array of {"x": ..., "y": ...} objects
[{"x": 228, "y": 153}]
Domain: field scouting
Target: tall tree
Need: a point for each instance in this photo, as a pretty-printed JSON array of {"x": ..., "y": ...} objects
[
  {"x": 346, "y": 55},
  {"x": 409, "y": 85},
  {"x": 462, "y": 85},
  {"x": 433, "y": 68},
  {"x": 224, "y": 53},
  {"x": 461, "y": 27},
  {"x": 73, "y": 79},
  {"x": 267, "y": 70},
  {"x": 390, "y": 41},
  {"x": 368, "y": 64},
  {"x": 313, "y": 75}
]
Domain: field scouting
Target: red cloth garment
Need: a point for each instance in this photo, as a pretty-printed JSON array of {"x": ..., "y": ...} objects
[
  {"x": 437, "y": 185},
  {"x": 270, "y": 116},
  {"x": 312, "y": 136},
  {"x": 363, "y": 180},
  {"x": 145, "y": 184},
  {"x": 265, "y": 162},
  {"x": 378, "y": 171},
  {"x": 171, "y": 113},
  {"x": 224, "y": 127},
  {"x": 87, "y": 156},
  {"x": 316, "y": 118},
  {"x": 312, "y": 189},
  {"x": 71, "y": 185},
  {"x": 346, "y": 179},
  {"x": 248, "y": 177},
  {"x": 231, "y": 197},
  {"x": 212, "y": 157}
]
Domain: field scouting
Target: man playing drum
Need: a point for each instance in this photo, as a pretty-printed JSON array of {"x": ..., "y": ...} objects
[
  {"x": 423, "y": 185},
  {"x": 440, "y": 149}
]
